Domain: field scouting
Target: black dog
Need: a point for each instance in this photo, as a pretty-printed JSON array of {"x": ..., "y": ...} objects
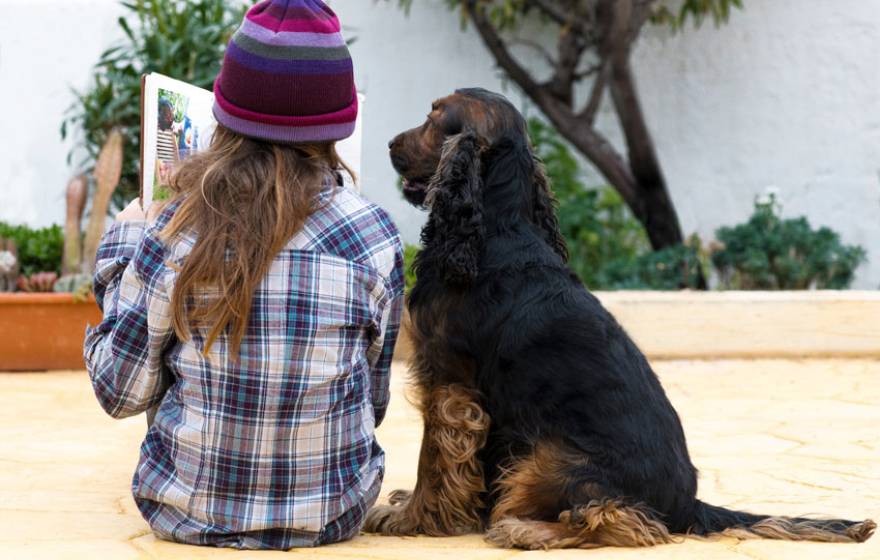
[{"x": 543, "y": 420}]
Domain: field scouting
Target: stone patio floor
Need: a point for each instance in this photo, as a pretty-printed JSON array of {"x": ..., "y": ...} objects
[{"x": 771, "y": 436}]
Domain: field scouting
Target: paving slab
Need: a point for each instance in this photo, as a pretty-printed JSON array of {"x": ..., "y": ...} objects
[{"x": 771, "y": 436}]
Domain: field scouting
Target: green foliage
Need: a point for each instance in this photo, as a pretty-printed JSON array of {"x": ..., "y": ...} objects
[
  {"x": 695, "y": 10},
  {"x": 608, "y": 247},
  {"x": 178, "y": 102},
  {"x": 672, "y": 268},
  {"x": 409, "y": 258},
  {"x": 596, "y": 224},
  {"x": 181, "y": 39},
  {"x": 610, "y": 251},
  {"x": 769, "y": 253},
  {"x": 39, "y": 250}
]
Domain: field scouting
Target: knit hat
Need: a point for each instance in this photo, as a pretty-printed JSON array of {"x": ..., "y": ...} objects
[{"x": 287, "y": 75}]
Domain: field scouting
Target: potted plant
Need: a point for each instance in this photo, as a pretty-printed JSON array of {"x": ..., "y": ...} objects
[
  {"x": 45, "y": 275},
  {"x": 39, "y": 328}
]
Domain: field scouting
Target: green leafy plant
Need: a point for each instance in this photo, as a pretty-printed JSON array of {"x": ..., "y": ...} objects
[
  {"x": 181, "y": 39},
  {"x": 673, "y": 268},
  {"x": 608, "y": 247},
  {"x": 595, "y": 222},
  {"x": 771, "y": 253},
  {"x": 39, "y": 249}
]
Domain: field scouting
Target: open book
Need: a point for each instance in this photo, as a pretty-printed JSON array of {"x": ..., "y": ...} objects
[{"x": 177, "y": 120}]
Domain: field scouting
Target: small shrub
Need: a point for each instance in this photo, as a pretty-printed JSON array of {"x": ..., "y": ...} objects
[
  {"x": 770, "y": 253},
  {"x": 39, "y": 250},
  {"x": 672, "y": 268}
]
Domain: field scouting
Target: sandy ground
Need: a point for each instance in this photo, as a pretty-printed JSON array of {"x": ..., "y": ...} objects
[{"x": 772, "y": 436}]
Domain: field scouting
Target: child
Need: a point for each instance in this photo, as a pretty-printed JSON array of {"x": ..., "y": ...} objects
[{"x": 259, "y": 310}]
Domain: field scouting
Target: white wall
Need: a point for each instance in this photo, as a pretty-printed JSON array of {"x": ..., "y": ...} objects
[
  {"x": 786, "y": 94},
  {"x": 46, "y": 47}
]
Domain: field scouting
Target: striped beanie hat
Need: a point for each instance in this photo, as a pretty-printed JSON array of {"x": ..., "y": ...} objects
[{"x": 287, "y": 75}]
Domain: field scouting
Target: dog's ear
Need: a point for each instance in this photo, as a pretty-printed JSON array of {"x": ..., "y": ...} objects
[
  {"x": 455, "y": 197},
  {"x": 544, "y": 210}
]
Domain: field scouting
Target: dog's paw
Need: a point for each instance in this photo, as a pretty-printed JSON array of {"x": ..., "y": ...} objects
[
  {"x": 573, "y": 518},
  {"x": 514, "y": 533},
  {"x": 389, "y": 520},
  {"x": 399, "y": 497}
]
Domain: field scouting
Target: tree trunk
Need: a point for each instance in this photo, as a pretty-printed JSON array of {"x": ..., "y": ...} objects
[
  {"x": 658, "y": 213},
  {"x": 639, "y": 181}
]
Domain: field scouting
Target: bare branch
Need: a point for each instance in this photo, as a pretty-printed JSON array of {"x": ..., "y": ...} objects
[
  {"x": 570, "y": 50},
  {"x": 588, "y": 71},
  {"x": 588, "y": 114},
  {"x": 593, "y": 145},
  {"x": 502, "y": 55},
  {"x": 553, "y": 10},
  {"x": 537, "y": 47}
]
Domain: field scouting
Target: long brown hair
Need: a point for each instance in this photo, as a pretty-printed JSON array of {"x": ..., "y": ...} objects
[{"x": 244, "y": 199}]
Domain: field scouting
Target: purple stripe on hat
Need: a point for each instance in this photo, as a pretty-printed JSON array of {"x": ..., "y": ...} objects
[
  {"x": 289, "y": 94},
  {"x": 310, "y": 4},
  {"x": 290, "y": 38},
  {"x": 292, "y": 13},
  {"x": 306, "y": 22},
  {"x": 298, "y": 9},
  {"x": 288, "y": 66},
  {"x": 275, "y": 133}
]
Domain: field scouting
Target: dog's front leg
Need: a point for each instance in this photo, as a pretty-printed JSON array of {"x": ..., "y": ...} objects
[{"x": 447, "y": 498}]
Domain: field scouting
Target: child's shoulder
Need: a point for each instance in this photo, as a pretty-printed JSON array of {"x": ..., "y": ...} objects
[
  {"x": 351, "y": 227},
  {"x": 350, "y": 205}
]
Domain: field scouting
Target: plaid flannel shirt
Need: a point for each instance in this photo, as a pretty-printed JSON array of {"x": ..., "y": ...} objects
[{"x": 277, "y": 449}]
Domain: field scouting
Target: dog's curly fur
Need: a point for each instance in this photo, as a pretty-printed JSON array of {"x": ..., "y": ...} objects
[{"x": 544, "y": 423}]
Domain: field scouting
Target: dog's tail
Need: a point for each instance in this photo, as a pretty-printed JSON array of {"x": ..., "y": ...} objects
[{"x": 713, "y": 519}]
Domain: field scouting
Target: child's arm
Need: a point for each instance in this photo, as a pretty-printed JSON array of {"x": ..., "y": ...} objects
[
  {"x": 124, "y": 352},
  {"x": 381, "y": 350}
]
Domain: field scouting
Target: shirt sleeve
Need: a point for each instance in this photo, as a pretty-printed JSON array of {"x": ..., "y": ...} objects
[
  {"x": 123, "y": 354},
  {"x": 381, "y": 350}
]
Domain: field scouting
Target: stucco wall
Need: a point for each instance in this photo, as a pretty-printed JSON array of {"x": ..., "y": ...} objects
[
  {"x": 787, "y": 94},
  {"x": 46, "y": 47}
]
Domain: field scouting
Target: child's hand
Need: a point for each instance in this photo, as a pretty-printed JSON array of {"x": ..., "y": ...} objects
[{"x": 132, "y": 213}]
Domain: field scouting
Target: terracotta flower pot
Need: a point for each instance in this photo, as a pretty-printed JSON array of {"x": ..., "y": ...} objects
[{"x": 44, "y": 331}]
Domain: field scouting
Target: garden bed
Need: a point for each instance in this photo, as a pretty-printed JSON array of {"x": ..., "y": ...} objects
[
  {"x": 44, "y": 331},
  {"x": 705, "y": 325}
]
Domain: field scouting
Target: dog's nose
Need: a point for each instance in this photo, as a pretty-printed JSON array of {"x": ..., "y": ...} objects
[{"x": 391, "y": 143}]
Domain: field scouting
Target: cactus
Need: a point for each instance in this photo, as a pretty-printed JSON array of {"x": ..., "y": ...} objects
[
  {"x": 77, "y": 192},
  {"x": 80, "y": 285},
  {"x": 37, "y": 282},
  {"x": 108, "y": 170},
  {"x": 8, "y": 265},
  {"x": 79, "y": 250}
]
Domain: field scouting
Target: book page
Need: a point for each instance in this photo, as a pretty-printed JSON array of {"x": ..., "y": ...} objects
[{"x": 177, "y": 121}]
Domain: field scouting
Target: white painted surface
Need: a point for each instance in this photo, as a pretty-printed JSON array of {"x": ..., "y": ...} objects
[
  {"x": 46, "y": 47},
  {"x": 786, "y": 94}
]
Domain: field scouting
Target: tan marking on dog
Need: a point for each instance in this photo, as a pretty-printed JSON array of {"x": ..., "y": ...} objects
[{"x": 447, "y": 498}]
